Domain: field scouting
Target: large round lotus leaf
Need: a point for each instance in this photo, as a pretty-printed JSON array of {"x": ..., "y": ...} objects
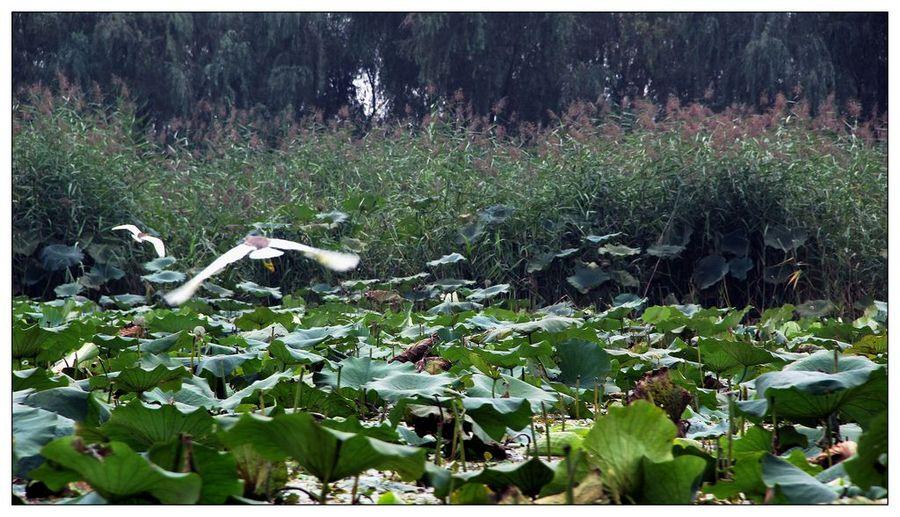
[
  {"x": 869, "y": 467},
  {"x": 447, "y": 259},
  {"x": 738, "y": 267},
  {"x": 115, "y": 471},
  {"x": 492, "y": 416},
  {"x": 218, "y": 469},
  {"x": 68, "y": 290},
  {"x": 164, "y": 277},
  {"x": 529, "y": 477},
  {"x": 510, "y": 387},
  {"x": 258, "y": 290},
  {"x": 540, "y": 262},
  {"x": 600, "y": 239},
  {"x": 672, "y": 482},
  {"x": 783, "y": 238},
  {"x": 56, "y": 257},
  {"x": 582, "y": 363},
  {"x": 291, "y": 355},
  {"x": 817, "y": 386},
  {"x": 224, "y": 365},
  {"x": 32, "y": 428},
  {"x": 102, "y": 273},
  {"x": 123, "y": 300},
  {"x": 621, "y": 440},
  {"x": 139, "y": 379},
  {"x": 709, "y": 270},
  {"x": 718, "y": 355},
  {"x": 357, "y": 371},
  {"x": 141, "y": 426},
  {"x": 665, "y": 251},
  {"x": 262, "y": 317},
  {"x": 328, "y": 454},
  {"x": 159, "y": 264},
  {"x": 618, "y": 250},
  {"x": 793, "y": 484},
  {"x": 410, "y": 385},
  {"x": 587, "y": 278},
  {"x": 480, "y": 295},
  {"x": 735, "y": 243}
]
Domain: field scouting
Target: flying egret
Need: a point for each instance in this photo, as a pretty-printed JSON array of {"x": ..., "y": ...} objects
[
  {"x": 140, "y": 236},
  {"x": 260, "y": 248}
]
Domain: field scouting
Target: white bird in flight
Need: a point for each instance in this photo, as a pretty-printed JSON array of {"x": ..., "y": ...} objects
[
  {"x": 140, "y": 236},
  {"x": 259, "y": 248}
]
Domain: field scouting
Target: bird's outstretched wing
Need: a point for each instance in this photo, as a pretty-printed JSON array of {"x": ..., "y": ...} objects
[
  {"x": 330, "y": 259},
  {"x": 265, "y": 253},
  {"x": 184, "y": 293},
  {"x": 135, "y": 231},
  {"x": 157, "y": 244}
]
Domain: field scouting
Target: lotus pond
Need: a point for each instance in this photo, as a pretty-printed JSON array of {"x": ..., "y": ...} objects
[{"x": 405, "y": 391}]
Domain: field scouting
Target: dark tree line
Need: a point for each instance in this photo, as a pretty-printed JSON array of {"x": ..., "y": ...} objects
[{"x": 533, "y": 62}]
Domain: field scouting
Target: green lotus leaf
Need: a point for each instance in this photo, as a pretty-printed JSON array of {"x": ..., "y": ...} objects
[
  {"x": 582, "y": 363},
  {"x": 159, "y": 264},
  {"x": 709, "y": 270},
  {"x": 793, "y": 484},
  {"x": 665, "y": 251},
  {"x": 115, "y": 471},
  {"x": 819, "y": 385},
  {"x": 355, "y": 372},
  {"x": 480, "y": 295},
  {"x": 600, "y": 239},
  {"x": 868, "y": 467},
  {"x": 100, "y": 274},
  {"x": 258, "y": 290},
  {"x": 618, "y": 250},
  {"x": 621, "y": 440},
  {"x": 218, "y": 470},
  {"x": 123, "y": 300},
  {"x": 140, "y": 378},
  {"x": 400, "y": 385},
  {"x": 783, "y": 238},
  {"x": 510, "y": 387},
  {"x": 735, "y": 243},
  {"x": 587, "y": 278},
  {"x": 492, "y": 416},
  {"x": 68, "y": 290},
  {"x": 165, "y": 277},
  {"x": 57, "y": 257},
  {"x": 452, "y": 258},
  {"x": 738, "y": 267},
  {"x": 328, "y": 454},
  {"x": 32, "y": 428},
  {"x": 671, "y": 482},
  {"x": 141, "y": 426}
]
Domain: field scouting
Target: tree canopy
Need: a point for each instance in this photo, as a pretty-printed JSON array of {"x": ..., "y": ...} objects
[{"x": 528, "y": 63}]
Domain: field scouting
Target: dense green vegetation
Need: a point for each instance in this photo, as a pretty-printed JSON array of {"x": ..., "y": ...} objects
[
  {"x": 460, "y": 398},
  {"x": 720, "y": 209},
  {"x": 531, "y": 63}
]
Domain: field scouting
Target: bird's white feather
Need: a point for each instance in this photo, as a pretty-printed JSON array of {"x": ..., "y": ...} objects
[
  {"x": 184, "y": 293},
  {"x": 135, "y": 231},
  {"x": 265, "y": 253},
  {"x": 157, "y": 244},
  {"x": 331, "y": 259}
]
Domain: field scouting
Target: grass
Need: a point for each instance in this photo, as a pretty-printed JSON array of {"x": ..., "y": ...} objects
[{"x": 80, "y": 168}]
